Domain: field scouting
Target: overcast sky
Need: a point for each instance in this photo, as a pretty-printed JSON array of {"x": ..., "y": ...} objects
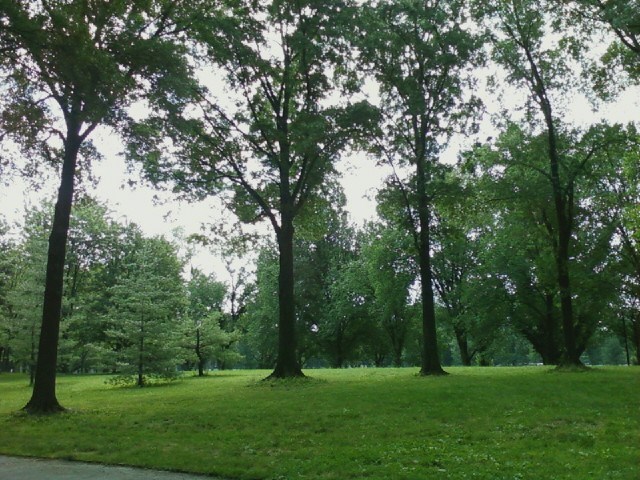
[{"x": 361, "y": 177}]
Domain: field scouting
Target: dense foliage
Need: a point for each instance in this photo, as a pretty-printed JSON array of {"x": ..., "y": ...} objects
[{"x": 526, "y": 249}]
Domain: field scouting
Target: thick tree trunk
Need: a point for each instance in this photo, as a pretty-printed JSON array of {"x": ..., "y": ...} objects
[
  {"x": 563, "y": 207},
  {"x": 43, "y": 398},
  {"x": 550, "y": 351},
  {"x": 571, "y": 357},
  {"x": 287, "y": 363},
  {"x": 463, "y": 346},
  {"x": 430, "y": 357}
]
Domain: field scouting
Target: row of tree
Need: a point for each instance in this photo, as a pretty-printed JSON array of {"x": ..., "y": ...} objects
[
  {"x": 287, "y": 104},
  {"x": 130, "y": 310}
]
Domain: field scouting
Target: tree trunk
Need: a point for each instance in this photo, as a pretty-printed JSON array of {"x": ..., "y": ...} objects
[
  {"x": 286, "y": 364},
  {"x": 463, "y": 346},
  {"x": 430, "y": 357},
  {"x": 571, "y": 357},
  {"x": 550, "y": 352},
  {"x": 563, "y": 199},
  {"x": 635, "y": 329},
  {"x": 141, "y": 354},
  {"x": 43, "y": 398},
  {"x": 199, "y": 354}
]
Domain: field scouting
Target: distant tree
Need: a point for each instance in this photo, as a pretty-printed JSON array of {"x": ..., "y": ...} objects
[
  {"x": 348, "y": 317},
  {"x": 24, "y": 295},
  {"x": 390, "y": 272},
  {"x": 9, "y": 263},
  {"x": 148, "y": 301},
  {"x": 259, "y": 343},
  {"x": 618, "y": 200},
  {"x": 459, "y": 228},
  {"x": 93, "y": 246},
  {"x": 206, "y": 339},
  {"x": 69, "y": 67}
]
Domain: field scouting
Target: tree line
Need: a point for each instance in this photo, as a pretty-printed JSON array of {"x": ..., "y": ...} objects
[
  {"x": 133, "y": 307},
  {"x": 255, "y": 102}
]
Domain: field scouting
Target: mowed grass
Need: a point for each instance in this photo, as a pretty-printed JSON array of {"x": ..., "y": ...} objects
[{"x": 477, "y": 423}]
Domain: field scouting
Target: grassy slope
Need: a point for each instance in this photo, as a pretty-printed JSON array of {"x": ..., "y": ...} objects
[{"x": 491, "y": 423}]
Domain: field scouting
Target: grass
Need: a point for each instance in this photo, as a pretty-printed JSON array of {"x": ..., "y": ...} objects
[{"x": 478, "y": 423}]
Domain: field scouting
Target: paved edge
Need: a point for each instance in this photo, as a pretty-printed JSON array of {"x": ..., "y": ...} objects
[{"x": 32, "y": 468}]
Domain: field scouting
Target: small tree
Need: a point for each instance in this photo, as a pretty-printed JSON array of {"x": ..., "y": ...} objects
[
  {"x": 148, "y": 301},
  {"x": 205, "y": 338}
]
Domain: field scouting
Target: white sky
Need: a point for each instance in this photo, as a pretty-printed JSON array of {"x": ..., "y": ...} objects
[{"x": 361, "y": 178}]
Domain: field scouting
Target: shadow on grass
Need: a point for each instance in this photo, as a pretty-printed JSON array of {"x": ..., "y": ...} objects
[
  {"x": 293, "y": 383},
  {"x": 210, "y": 375},
  {"x": 572, "y": 369}
]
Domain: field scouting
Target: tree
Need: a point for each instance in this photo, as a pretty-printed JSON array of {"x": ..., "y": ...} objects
[
  {"x": 419, "y": 52},
  {"x": 390, "y": 272},
  {"x": 206, "y": 338},
  {"x": 92, "y": 248},
  {"x": 24, "y": 295},
  {"x": 542, "y": 68},
  {"x": 520, "y": 204},
  {"x": 273, "y": 143},
  {"x": 348, "y": 314},
  {"x": 621, "y": 18},
  {"x": 460, "y": 228},
  {"x": 9, "y": 264},
  {"x": 259, "y": 344},
  {"x": 70, "y": 67},
  {"x": 148, "y": 301},
  {"x": 619, "y": 200}
]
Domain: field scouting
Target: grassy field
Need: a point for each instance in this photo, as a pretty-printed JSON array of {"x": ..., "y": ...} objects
[{"x": 478, "y": 423}]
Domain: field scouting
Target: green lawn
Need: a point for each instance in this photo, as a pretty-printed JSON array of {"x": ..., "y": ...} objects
[{"x": 478, "y": 423}]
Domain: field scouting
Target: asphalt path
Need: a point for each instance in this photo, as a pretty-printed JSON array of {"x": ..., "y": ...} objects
[{"x": 20, "y": 468}]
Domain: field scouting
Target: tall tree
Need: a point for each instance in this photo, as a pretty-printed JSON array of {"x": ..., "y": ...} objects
[
  {"x": 419, "y": 52},
  {"x": 270, "y": 136},
  {"x": 519, "y": 199},
  {"x": 72, "y": 66},
  {"x": 541, "y": 64}
]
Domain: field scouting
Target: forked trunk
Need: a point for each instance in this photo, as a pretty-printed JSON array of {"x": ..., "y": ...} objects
[{"x": 463, "y": 346}]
